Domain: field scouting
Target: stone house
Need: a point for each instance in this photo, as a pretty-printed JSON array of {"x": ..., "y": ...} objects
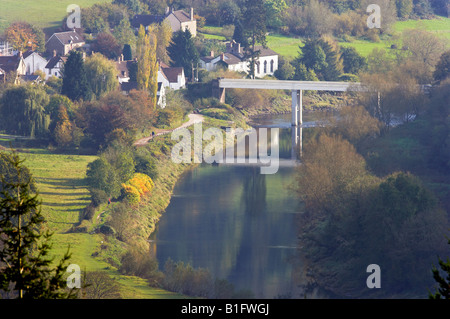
[
  {"x": 178, "y": 20},
  {"x": 64, "y": 42}
]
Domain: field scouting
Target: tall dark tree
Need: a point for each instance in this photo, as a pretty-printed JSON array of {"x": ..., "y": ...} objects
[
  {"x": 239, "y": 35},
  {"x": 254, "y": 24},
  {"x": 126, "y": 51},
  {"x": 25, "y": 269},
  {"x": 442, "y": 70},
  {"x": 75, "y": 85},
  {"x": 353, "y": 61},
  {"x": 183, "y": 52}
]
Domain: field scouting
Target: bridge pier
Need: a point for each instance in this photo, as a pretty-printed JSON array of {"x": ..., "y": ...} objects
[{"x": 297, "y": 107}]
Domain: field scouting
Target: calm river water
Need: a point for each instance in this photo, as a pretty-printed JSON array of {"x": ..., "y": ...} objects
[{"x": 237, "y": 223}]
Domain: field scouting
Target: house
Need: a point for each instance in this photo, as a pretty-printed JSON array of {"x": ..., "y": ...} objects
[
  {"x": 12, "y": 64},
  {"x": 30, "y": 78},
  {"x": 126, "y": 87},
  {"x": 54, "y": 66},
  {"x": 123, "y": 69},
  {"x": 34, "y": 62},
  {"x": 178, "y": 20},
  {"x": 64, "y": 42},
  {"x": 172, "y": 77},
  {"x": 233, "y": 59},
  {"x": 161, "y": 96}
]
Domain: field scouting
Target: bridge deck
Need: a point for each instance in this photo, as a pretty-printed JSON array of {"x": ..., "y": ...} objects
[{"x": 289, "y": 85}]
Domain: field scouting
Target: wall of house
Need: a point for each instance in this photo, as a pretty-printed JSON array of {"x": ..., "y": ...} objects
[
  {"x": 54, "y": 44},
  {"x": 34, "y": 63},
  {"x": 268, "y": 70}
]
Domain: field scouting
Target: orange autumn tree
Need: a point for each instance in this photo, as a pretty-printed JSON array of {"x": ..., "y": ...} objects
[{"x": 22, "y": 36}]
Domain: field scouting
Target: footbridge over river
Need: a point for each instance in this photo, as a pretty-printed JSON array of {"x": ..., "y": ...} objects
[{"x": 297, "y": 87}]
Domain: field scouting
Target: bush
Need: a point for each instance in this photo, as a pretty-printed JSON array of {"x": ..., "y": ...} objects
[
  {"x": 98, "y": 197},
  {"x": 137, "y": 186},
  {"x": 107, "y": 230},
  {"x": 89, "y": 212}
]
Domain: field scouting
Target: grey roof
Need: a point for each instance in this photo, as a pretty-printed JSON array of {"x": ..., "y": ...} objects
[
  {"x": 129, "y": 86},
  {"x": 54, "y": 60},
  {"x": 265, "y": 51},
  {"x": 172, "y": 73},
  {"x": 9, "y": 62},
  {"x": 146, "y": 19},
  {"x": 182, "y": 16},
  {"x": 69, "y": 37}
]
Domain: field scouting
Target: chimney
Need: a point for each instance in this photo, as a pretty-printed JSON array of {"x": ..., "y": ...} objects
[
  {"x": 192, "y": 14},
  {"x": 222, "y": 57},
  {"x": 238, "y": 48},
  {"x": 212, "y": 54},
  {"x": 54, "y": 53},
  {"x": 121, "y": 58}
]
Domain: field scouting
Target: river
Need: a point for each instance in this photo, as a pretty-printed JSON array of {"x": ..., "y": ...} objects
[{"x": 237, "y": 223}]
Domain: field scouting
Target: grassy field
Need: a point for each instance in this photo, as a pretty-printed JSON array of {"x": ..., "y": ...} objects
[
  {"x": 63, "y": 190},
  {"x": 288, "y": 46},
  {"x": 46, "y": 14}
]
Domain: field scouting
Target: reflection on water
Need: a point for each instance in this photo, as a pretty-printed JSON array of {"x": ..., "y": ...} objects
[{"x": 236, "y": 222}]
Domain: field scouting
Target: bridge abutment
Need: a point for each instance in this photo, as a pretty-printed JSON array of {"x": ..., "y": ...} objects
[{"x": 297, "y": 107}]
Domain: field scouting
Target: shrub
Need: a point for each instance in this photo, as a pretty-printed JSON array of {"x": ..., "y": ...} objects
[
  {"x": 98, "y": 196},
  {"x": 137, "y": 186}
]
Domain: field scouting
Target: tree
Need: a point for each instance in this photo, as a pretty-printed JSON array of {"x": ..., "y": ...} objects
[
  {"x": 134, "y": 6},
  {"x": 353, "y": 61},
  {"x": 25, "y": 269},
  {"x": 126, "y": 51},
  {"x": 443, "y": 292},
  {"x": 322, "y": 57},
  {"x": 106, "y": 44},
  {"x": 22, "y": 110},
  {"x": 183, "y": 52},
  {"x": 255, "y": 26},
  {"x": 62, "y": 133},
  {"x": 239, "y": 34},
  {"x": 442, "y": 70},
  {"x": 275, "y": 10},
  {"x": 143, "y": 57},
  {"x": 164, "y": 37},
  {"x": 101, "y": 74},
  {"x": 404, "y": 8},
  {"x": 75, "y": 84},
  {"x": 425, "y": 47},
  {"x": 316, "y": 19},
  {"x": 124, "y": 33},
  {"x": 100, "y": 286},
  {"x": 21, "y": 35}
]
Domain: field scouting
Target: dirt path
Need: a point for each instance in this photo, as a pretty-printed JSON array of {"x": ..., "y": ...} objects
[{"x": 193, "y": 118}]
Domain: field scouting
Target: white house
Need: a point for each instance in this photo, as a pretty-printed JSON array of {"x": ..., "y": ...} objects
[
  {"x": 233, "y": 59},
  {"x": 54, "y": 66},
  {"x": 172, "y": 77},
  {"x": 34, "y": 62}
]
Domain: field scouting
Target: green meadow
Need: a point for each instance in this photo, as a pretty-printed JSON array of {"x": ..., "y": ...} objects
[{"x": 46, "y": 14}]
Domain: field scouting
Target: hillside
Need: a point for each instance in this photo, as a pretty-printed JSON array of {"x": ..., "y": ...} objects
[{"x": 44, "y": 14}]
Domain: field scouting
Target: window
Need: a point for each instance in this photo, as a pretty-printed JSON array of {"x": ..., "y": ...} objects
[
  {"x": 271, "y": 66},
  {"x": 257, "y": 67},
  {"x": 265, "y": 66}
]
